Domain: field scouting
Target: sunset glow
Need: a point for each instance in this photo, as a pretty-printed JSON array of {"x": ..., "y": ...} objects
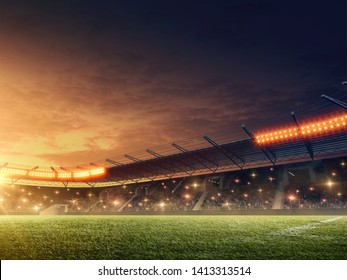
[{"x": 82, "y": 83}]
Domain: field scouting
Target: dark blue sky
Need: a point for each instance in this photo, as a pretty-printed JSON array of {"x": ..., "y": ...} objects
[{"x": 94, "y": 78}]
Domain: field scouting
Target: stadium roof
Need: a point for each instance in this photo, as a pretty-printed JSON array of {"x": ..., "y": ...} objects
[{"x": 320, "y": 137}]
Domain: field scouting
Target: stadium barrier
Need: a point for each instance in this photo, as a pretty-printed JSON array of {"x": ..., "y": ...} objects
[{"x": 251, "y": 212}]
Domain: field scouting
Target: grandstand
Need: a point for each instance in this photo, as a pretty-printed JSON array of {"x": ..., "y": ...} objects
[
  {"x": 310, "y": 185},
  {"x": 219, "y": 171}
]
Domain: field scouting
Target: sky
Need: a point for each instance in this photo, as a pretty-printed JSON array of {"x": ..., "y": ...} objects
[{"x": 86, "y": 80}]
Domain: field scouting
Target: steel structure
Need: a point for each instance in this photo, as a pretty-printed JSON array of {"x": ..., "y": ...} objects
[{"x": 207, "y": 154}]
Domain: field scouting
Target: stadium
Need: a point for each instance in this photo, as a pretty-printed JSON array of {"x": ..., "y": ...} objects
[
  {"x": 275, "y": 192},
  {"x": 173, "y": 130}
]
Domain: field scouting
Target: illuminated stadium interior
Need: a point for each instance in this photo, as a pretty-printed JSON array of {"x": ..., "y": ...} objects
[
  {"x": 300, "y": 166},
  {"x": 311, "y": 138}
]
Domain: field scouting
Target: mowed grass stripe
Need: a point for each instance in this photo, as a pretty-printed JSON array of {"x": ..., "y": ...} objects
[{"x": 170, "y": 237}]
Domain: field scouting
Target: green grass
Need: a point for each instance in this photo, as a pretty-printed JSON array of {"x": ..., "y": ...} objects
[{"x": 172, "y": 237}]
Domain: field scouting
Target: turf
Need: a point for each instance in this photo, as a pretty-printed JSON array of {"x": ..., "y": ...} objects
[{"x": 173, "y": 237}]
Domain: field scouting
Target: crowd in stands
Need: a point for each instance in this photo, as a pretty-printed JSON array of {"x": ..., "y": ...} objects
[
  {"x": 32, "y": 200},
  {"x": 239, "y": 199},
  {"x": 243, "y": 190},
  {"x": 313, "y": 196},
  {"x": 328, "y": 190}
]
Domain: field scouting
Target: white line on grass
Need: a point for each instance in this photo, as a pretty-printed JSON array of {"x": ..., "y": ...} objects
[{"x": 297, "y": 231}]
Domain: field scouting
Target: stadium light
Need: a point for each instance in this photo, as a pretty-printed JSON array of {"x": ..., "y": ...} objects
[
  {"x": 13, "y": 171},
  {"x": 64, "y": 175},
  {"x": 41, "y": 174},
  {"x": 6, "y": 171},
  {"x": 81, "y": 174},
  {"x": 324, "y": 126}
]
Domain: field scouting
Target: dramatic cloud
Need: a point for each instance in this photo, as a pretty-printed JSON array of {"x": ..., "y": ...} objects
[{"x": 81, "y": 81}]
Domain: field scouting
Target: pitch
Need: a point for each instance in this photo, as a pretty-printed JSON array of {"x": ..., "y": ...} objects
[{"x": 173, "y": 237}]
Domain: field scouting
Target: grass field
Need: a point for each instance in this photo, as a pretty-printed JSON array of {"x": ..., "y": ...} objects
[{"x": 173, "y": 237}]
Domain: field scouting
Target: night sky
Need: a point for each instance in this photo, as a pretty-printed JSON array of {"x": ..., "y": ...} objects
[{"x": 85, "y": 80}]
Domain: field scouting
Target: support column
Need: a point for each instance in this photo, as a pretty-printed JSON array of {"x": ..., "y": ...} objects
[
  {"x": 313, "y": 178},
  {"x": 282, "y": 183}
]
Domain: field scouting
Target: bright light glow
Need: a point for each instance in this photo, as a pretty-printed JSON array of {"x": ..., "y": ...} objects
[
  {"x": 81, "y": 174},
  {"x": 50, "y": 175},
  {"x": 330, "y": 183},
  {"x": 2, "y": 178},
  {"x": 64, "y": 175},
  {"x": 291, "y": 198},
  {"x": 13, "y": 171},
  {"x": 313, "y": 128},
  {"x": 41, "y": 174},
  {"x": 97, "y": 171}
]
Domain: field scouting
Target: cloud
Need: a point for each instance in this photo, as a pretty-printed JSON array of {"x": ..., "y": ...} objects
[{"x": 80, "y": 82}]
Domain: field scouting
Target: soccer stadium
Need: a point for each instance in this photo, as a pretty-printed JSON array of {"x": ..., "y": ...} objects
[{"x": 272, "y": 192}]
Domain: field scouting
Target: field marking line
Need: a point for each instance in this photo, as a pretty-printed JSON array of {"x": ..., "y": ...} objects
[
  {"x": 331, "y": 220},
  {"x": 297, "y": 231}
]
